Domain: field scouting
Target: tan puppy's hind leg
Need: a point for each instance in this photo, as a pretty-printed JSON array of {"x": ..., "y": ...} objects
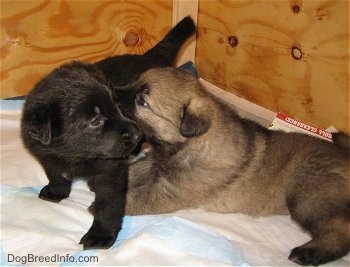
[{"x": 331, "y": 240}]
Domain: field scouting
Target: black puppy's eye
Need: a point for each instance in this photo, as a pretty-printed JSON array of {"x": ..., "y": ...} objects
[
  {"x": 96, "y": 122},
  {"x": 140, "y": 100},
  {"x": 98, "y": 119}
]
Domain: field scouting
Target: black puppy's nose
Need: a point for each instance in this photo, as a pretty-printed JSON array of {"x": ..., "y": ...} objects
[
  {"x": 127, "y": 137},
  {"x": 132, "y": 134}
]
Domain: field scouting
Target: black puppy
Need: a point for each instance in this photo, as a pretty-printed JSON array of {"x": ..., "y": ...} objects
[{"x": 71, "y": 125}]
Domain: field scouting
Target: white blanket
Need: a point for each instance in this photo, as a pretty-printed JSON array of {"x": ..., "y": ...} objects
[{"x": 37, "y": 232}]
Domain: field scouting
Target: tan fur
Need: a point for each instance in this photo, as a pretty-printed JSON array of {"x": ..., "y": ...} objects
[{"x": 205, "y": 156}]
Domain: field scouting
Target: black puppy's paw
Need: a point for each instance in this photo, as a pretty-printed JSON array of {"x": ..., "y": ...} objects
[
  {"x": 311, "y": 256},
  {"x": 97, "y": 240},
  {"x": 54, "y": 193}
]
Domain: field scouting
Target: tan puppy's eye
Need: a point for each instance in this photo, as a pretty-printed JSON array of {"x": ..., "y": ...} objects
[{"x": 140, "y": 100}]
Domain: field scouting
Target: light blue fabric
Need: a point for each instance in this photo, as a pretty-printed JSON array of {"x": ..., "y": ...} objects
[
  {"x": 184, "y": 236},
  {"x": 3, "y": 260},
  {"x": 11, "y": 104}
]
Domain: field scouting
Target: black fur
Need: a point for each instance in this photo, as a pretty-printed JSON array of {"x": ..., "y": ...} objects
[{"x": 71, "y": 125}]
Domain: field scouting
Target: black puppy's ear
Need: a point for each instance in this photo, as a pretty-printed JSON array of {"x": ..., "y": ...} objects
[
  {"x": 41, "y": 125},
  {"x": 195, "y": 121}
]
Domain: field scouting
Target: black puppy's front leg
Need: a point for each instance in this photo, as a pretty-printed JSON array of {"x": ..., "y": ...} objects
[
  {"x": 108, "y": 211},
  {"x": 58, "y": 188}
]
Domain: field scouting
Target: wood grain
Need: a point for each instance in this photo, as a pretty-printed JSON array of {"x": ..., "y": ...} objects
[
  {"x": 289, "y": 55},
  {"x": 39, "y": 35}
]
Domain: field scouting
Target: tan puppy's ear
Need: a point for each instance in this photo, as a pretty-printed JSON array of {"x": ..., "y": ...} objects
[{"x": 195, "y": 120}]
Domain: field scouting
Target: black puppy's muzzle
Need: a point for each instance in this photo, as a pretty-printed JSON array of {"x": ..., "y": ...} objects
[
  {"x": 131, "y": 134},
  {"x": 124, "y": 97}
]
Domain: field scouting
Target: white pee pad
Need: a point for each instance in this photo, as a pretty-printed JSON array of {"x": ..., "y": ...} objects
[{"x": 37, "y": 232}]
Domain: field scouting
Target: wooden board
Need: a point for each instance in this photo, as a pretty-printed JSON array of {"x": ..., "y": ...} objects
[
  {"x": 39, "y": 35},
  {"x": 285, "y": 55}
]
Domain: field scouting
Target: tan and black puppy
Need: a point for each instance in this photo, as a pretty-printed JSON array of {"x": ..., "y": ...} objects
[{"x": 205, "y": 156}]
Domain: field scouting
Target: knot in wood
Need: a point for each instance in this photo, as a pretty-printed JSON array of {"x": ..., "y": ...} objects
[
  {"x": 131, "y": 39},
  {"x": 232, "y": 40},
  {"x": 296, "y": 8},
  {"x": 296, "y": 53}
]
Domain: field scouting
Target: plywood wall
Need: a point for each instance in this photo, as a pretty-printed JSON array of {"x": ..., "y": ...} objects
[
  {"x": 285, "y": 55},
  {"x": 38, "y": 35}
]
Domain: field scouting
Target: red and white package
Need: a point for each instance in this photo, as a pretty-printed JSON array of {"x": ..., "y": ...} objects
[{"x": 288, "y": 124}]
